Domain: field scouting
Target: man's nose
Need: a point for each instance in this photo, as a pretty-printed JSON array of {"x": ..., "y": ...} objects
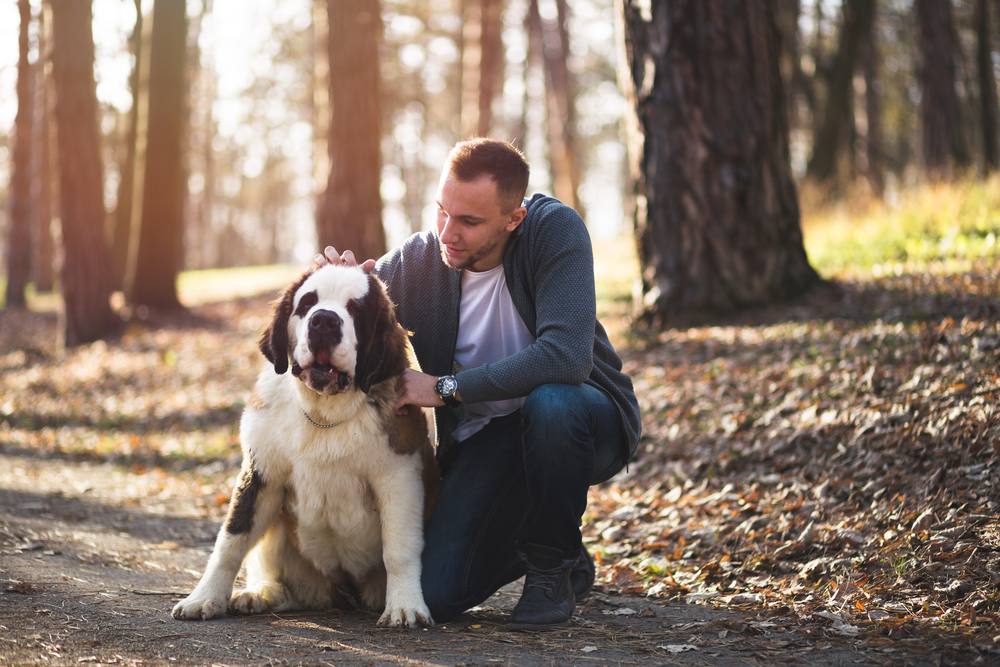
[{"x": 447, "y": 231}]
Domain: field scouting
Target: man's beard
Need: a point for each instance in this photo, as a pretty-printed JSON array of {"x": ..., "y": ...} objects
[{"x": 472, "y": 259}]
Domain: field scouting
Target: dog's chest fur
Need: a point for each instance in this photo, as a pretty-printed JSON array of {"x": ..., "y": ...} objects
[{"x": 327, "y": 469}]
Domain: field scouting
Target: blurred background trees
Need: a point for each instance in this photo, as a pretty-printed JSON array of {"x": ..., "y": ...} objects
[{"x": 285, "y": 125}]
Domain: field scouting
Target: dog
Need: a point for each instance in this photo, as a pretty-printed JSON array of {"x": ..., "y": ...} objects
[{"x": 334, "y": 488}]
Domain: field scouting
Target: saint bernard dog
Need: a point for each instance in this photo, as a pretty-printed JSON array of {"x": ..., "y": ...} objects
[{"x": 335, "y": 487}]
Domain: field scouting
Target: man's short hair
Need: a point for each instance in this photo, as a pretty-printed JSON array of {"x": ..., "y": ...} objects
[{"x": 504, "y": 164}]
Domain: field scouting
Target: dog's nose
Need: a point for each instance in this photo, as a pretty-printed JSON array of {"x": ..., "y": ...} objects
[{"x": 325, "y": 322}]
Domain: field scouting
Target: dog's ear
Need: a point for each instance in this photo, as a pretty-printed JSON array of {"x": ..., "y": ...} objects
[
  {"x": 273, "y": 341},
  {"x": 381, "y": 340}
]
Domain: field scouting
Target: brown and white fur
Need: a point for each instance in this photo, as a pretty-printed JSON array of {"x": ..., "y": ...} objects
[{"x": 319, "y": 509}]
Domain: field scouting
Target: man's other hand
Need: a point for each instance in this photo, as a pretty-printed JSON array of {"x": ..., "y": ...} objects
[{"x": 331, "y": 256}]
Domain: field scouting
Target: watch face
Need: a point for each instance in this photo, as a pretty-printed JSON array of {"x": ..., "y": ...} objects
[{"x": 447, "y": 385}]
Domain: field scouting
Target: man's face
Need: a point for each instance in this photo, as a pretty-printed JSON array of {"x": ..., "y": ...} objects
[{"x": 472, "y": 229}]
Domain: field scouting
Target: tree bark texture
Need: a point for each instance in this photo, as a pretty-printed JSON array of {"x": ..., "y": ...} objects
[
  {"x": 715, "y": 208},
  {"x": 19, "y": 227},
  {"x": 352, "y": 215},
  {"x": 943, "y": 144},
  {"x": 157, "y": 253},
  {"x": 987, "y": 85},
  {"x": 86, "y": 276},
  {"x": 838, "y": 115}
]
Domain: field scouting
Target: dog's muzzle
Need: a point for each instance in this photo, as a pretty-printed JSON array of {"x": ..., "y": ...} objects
[{"x": 326, "y": 330}]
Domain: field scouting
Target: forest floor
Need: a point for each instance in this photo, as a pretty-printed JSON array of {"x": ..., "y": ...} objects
[{"x": 817, "y": 484}]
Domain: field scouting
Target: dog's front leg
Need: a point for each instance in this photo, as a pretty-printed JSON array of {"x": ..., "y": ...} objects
[
  {"x": 401, "y": 501},
  {"x": 253, "y": 509}
]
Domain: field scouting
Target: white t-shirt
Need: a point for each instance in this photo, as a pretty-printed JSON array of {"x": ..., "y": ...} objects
[{"x": 489, "y": 329}]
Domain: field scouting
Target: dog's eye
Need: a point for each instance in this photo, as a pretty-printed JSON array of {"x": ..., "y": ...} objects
[
  {"x": 353, "y": 306},
  {"x": 308, "y": 301}
]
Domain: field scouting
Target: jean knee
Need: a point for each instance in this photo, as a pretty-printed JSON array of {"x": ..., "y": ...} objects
[{"x": 553, "y": 404}]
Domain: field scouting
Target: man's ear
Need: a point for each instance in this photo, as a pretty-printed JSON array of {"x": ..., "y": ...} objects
[{"x": 516, "y": 216}]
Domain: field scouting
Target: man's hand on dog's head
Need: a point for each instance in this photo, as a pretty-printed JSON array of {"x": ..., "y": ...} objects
[{"x": 331, "y": 256}]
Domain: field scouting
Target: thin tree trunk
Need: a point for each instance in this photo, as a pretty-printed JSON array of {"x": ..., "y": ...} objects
[
  {"x": 836, "y": 124},
  {"x": 716, "y": 210},
  {"x": 42, "y": 243},
  {"x": 159, "y": 249},
  {"x": 19, "y": 227},
  {"x": 491, "y": 66},
  {"x": 560, "y": 98},
  {"x": 86, "y": 276},
  {"x": 199, "y": 115},
  {"x": 206, "y": 206},
  {"x": 482, "y": 64},
  {"x": 799, "y": 82},
  {"x": 353, "y": 208},
  {"x": 533, "y": 62},
  {"x": 942, "y": 141},
  {"x": 126, "y": 186},
  {"x": 987, "y": 85},
  {"x": 873, "y": 115},
  {"x": 321, "y": 112}
]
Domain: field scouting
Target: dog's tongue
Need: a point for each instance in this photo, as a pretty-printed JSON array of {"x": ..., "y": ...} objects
[{"x": 323, "y": 358}]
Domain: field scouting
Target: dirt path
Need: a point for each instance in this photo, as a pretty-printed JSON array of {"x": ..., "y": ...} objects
[{"x": 93, "y": 557}]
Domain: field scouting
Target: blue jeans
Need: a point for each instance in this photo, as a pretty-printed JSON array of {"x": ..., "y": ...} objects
[{"x": 522, "y": 479}]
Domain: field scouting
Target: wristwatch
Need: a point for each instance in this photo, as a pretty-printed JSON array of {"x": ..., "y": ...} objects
[{"x": 446, "y": 388}]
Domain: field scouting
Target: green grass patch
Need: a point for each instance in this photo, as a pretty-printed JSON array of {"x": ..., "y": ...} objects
[{"x": 944, "y": 225}]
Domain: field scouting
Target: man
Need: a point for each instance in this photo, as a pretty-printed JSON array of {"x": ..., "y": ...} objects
[{"x": 530, "y": 403}]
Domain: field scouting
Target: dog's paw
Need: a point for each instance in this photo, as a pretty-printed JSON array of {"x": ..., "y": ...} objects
[
  {"x": 247, "y": 602},
  {"x": 266, "y": 596},
  {"x": 199, "y": 609},
  {"x": 414, "y": 616}
]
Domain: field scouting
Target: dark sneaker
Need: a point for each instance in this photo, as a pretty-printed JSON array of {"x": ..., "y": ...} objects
[
  {"x": 547, "y": 600},
  {"x": 582, "y": 576}
]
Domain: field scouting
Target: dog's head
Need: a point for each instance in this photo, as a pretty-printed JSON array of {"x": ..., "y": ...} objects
[{"x": 337, "y": 327}]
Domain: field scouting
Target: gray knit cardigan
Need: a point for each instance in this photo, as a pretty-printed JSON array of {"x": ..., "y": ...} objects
[{"x": 549, "y": 269}]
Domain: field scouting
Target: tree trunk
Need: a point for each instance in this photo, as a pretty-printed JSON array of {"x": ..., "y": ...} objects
[
  {"x": 987, "y": 86},
  {"x": 716, "y": 210},
  {"x": 352, "y": 217},
  {"x": 86, "y": 276},
  {"x": 534, "y": 63},
  {"x": 156, "y": 255},
  {"x": 482, "y": 64},
  {"x": 42, "y": 243},
  {"x": 126, "y": 186},
  {"x": 491, "y": 65},
  {"x": 320, "y": 81},
  {"x": 561, "y": 98},
  {"x": 942, "y": 141},
  {"x": 19, "y": 228},
  {"x": 836, "y": 121},
  {"x": 873, "y": 115},
  {"x": 788, "y": 12},
  {"x": 200, "y": 130}
]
